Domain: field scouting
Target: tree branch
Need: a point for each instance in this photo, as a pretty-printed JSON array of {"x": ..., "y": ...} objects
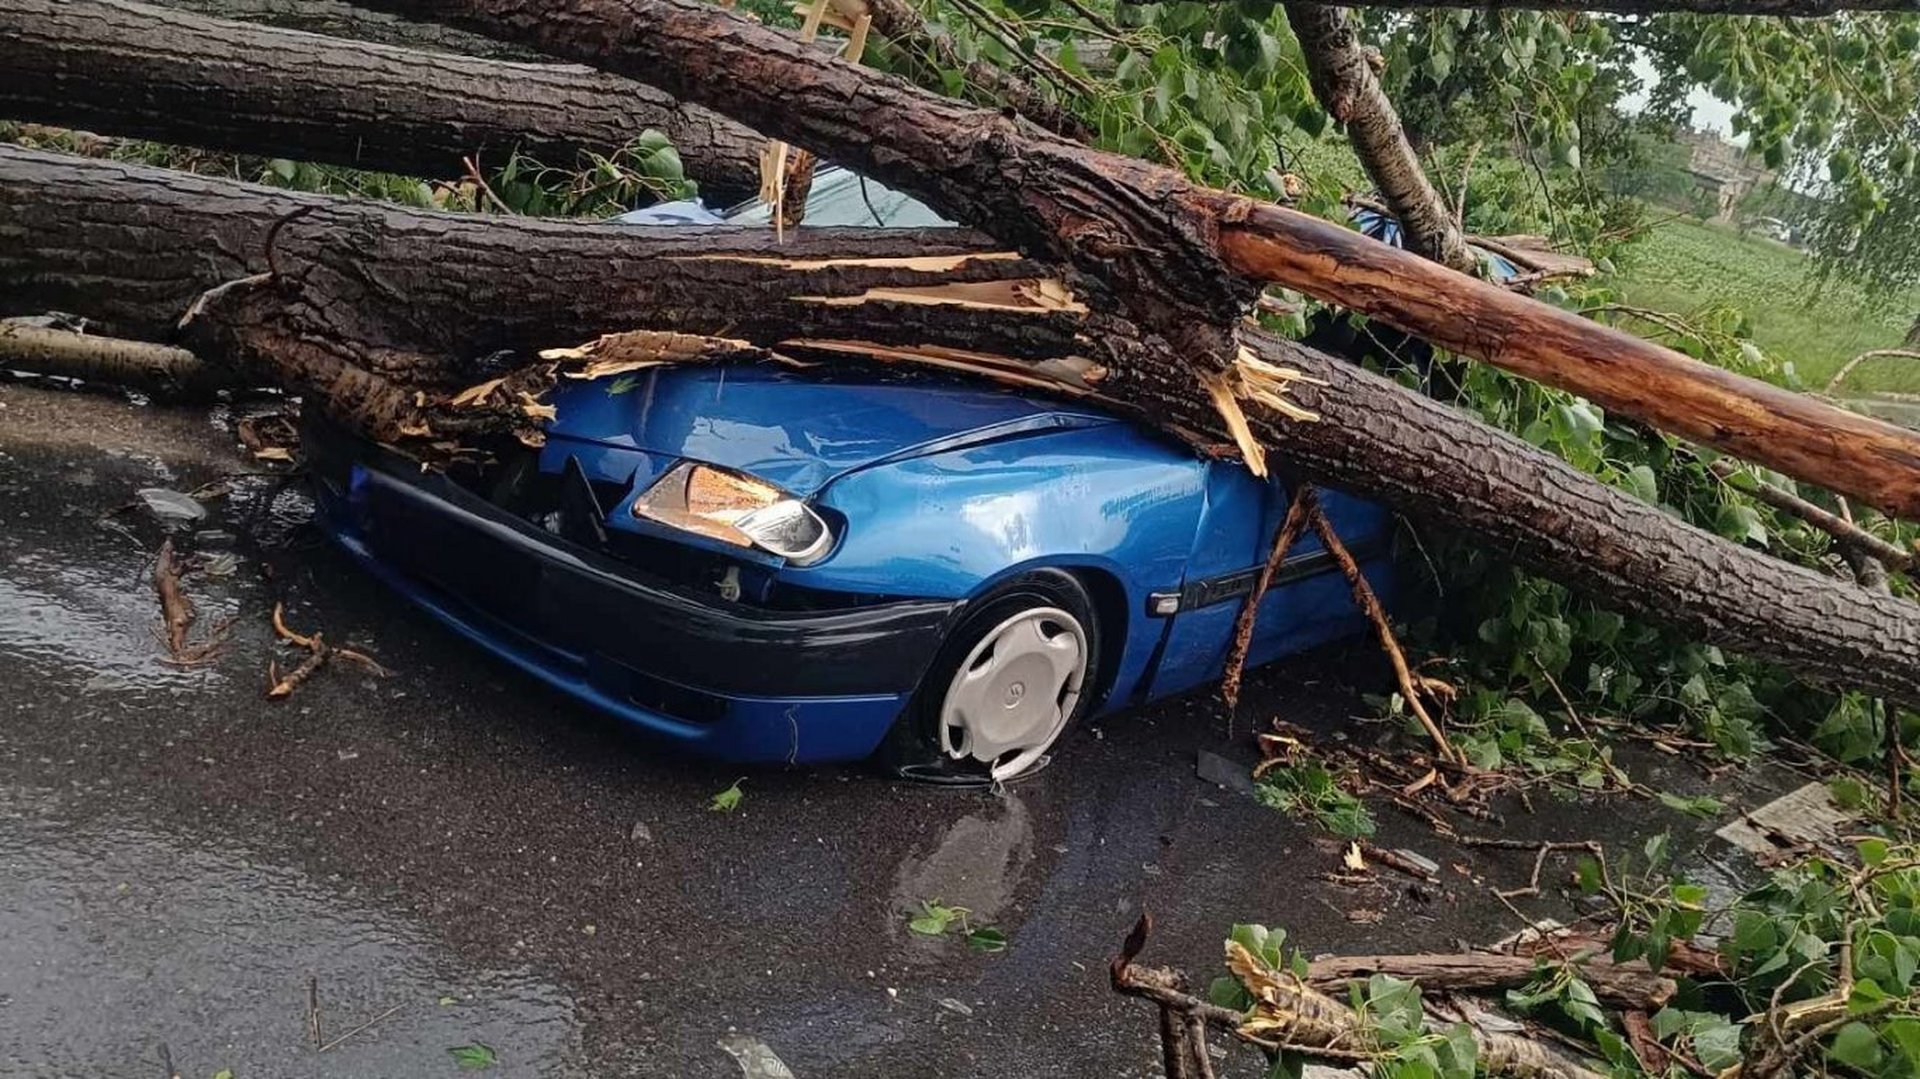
[{"x": 1344, "y": 82}]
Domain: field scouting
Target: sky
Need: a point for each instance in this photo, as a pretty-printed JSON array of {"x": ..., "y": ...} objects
[{"x": 1709, "y": 112}]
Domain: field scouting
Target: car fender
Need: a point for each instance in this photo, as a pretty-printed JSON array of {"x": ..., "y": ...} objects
[{"x": 951, "y": 525}]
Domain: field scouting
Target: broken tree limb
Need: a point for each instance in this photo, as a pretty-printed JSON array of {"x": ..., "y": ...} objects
[
  {"x": 112, "y": 361},
  {"x": 1183, "y": 261},
  {"x": 1797, "y": 434},
  {"x": 1290, "y": 1016},
  {"x": 1623, "y": 986},
  {"x": 1305, "y": 503},
  {"x": 1844, "y": 532},
  {"x": 176, "y": 610},
  {"x": 1369, "y": 604},
  {"x": 1345, "y": 84},
  {"x": 134, "y": 246},
  {"x": 128, "y": 69}
]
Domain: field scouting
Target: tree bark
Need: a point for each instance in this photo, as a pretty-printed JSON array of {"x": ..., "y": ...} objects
[
  {"x": 1346, "y": 87},
  {"x": 1183, "y": 261},
  {"x": 107, "y": 361},
  {"x": 434, "y": 294},
  {"x": 1619, "y": 985},
  {"x": 336, "y": 18},
  {"x": 128, "y": 69},
  {"x": 133, "y": 247}
]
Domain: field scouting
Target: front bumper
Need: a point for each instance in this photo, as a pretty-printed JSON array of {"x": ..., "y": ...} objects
[{"x": 728, "y": 680}]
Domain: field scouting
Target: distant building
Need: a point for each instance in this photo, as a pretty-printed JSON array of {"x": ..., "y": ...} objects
[{"x": 1721, "y": 171}]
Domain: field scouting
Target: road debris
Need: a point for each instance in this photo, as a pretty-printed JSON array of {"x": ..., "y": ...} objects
[
  {"x": 319, "y": 653},
  {"x": 177, "y": 613},
  {"x": 756, "y": 1058},
  {"x": 173, "y": 509}
]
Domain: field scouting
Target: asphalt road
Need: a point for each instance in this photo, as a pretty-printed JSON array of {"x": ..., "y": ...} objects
[{"x": 466, "y": 858}]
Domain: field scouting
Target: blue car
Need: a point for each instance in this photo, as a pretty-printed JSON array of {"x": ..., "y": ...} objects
[{"x": 765, "y": 565}]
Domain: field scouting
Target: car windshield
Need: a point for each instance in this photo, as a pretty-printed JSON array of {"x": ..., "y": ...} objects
[{"x": 838, "y": 197}]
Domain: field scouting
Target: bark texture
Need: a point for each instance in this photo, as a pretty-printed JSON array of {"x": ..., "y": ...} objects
[
  {"x": 1436, "y": 464},
  {"x": 1181, "y": 260},
  {"x": 128, "y": 69},
  {"x": 1344, "y": 83},
  {"x": 439, "y": 292},
  {"x": 109, "y": 361},
  {"x": 133, "y": 246},
  {"x": 336, "y": 18},
  {"x": 1120, "y": 222}
]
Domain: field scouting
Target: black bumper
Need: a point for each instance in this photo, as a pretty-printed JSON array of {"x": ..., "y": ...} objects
[{"x": 584, "y": 607}]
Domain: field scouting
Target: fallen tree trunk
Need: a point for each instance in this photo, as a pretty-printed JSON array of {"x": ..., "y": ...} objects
[
  {"x": 337, "y": 18},
  {"x": 1181, "y": 260},
  {"x": 127, "y": 69},
  {"x": 133, "y": 246}
]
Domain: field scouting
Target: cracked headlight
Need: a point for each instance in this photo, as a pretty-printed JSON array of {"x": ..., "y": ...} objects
[{"x": 736, "y": 509}]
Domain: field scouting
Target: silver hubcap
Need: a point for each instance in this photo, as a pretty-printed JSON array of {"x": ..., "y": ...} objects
[{"x": 1013, "y": 694}]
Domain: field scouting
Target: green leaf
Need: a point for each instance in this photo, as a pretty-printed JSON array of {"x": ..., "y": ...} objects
[
  {"x": 623, "y": 384},
  {"x": 1640, "y": 480},
  {"x": 475, "y": 1057},
  {"x": 727, "y": 800},
  {"x": 1717, "y": 1042},
  {"x": 1704, "y": 806},
  {"x": 283, "y": 168},
  {"x": 987, "y": 939},
  {"x": 1857, "y": 1046}
]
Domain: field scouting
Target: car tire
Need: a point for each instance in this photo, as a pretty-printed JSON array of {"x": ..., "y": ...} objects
[{"x": 1038, "y": 629}]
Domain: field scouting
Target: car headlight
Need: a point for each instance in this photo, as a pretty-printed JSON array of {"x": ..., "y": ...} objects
[{"x": 736, "y": 509}]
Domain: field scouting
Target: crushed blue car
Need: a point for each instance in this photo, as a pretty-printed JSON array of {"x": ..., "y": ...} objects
[{"x": 765, "y": 565}]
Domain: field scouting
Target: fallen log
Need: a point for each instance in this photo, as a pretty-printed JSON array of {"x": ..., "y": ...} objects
[
  {"x": 1621, "y": 986},
  {"x": 337, "y": 18},
  {"x": 110, "y": 361},
  {"x": 133, "y": 246},
  {"x": 128, "y": 69},
  {"x": 1181, "y": 260}
]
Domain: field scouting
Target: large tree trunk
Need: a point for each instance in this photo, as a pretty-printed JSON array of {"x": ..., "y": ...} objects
[
  {"x": 1181, "y": 260},
  {"x": 128, "y": 69},
  {"x": 1344, "y": 82},
  {"x": 337, "y": 18},
  {"x": 134, "y": 246}
]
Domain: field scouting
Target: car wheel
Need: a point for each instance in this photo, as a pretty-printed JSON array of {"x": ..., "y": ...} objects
[{"x": 1014, "y": 676}]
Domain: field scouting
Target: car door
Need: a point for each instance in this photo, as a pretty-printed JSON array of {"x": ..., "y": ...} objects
[{"x": 1308, "y": 602}]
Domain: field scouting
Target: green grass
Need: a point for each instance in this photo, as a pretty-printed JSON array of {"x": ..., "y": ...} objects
[{"x": 1690, "y": 268}]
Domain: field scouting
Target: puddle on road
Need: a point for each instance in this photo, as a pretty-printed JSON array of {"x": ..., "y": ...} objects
[
  {"x": 116, "y": 941},
  {"x": 93, "y": 627}
]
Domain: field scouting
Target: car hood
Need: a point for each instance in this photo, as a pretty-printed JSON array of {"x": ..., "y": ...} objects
[{"x": 797, "y": 430}]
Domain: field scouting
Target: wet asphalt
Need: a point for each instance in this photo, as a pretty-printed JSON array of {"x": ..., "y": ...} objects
[{"x": 465, "y": 858}]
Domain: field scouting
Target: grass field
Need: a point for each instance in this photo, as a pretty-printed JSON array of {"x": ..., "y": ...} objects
[{"x": 1686, "y": 266}]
